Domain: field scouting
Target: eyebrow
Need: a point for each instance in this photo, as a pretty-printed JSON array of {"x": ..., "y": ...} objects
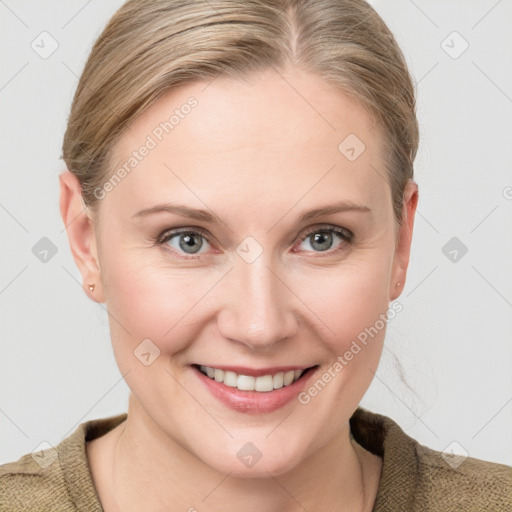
[{"x": 211, "y": 217}]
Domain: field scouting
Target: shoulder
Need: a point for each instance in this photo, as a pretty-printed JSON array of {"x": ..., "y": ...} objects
[
  {"x": 417, "y": 478},
  {"x": 461, "y": 483},
  {"x": 34, "y": 482},
  {"x": 57, "y": 478}
]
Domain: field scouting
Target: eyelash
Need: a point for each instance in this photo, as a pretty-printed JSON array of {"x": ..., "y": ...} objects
[{"x": 344, "y": 234}]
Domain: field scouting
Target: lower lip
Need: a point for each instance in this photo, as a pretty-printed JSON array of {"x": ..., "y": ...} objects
[{"x": 255, "y": 402}]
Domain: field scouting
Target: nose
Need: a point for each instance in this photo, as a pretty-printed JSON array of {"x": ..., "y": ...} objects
[{"x": 257, "y": 306}]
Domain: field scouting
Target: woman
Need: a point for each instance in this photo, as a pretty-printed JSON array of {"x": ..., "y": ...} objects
[{"x": 240, "y": 194}]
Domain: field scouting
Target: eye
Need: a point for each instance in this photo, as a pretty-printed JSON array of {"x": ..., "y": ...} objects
[
  {"x": 321, "y": 239},
  {"x": 185, "y": 241}
]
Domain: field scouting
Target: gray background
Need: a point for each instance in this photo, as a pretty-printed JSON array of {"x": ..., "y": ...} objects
[{"x": 453, "y": 336}]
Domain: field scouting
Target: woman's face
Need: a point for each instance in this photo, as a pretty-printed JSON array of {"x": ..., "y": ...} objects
[{"x": 253, "y": 282}]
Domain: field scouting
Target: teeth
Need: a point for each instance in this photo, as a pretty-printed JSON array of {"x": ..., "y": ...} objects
[
  {"x": 263, "y": 383},
  {"x": 278, "y": 380},
  {"x": 245, "y": 383},
  {"x": 230, "y": 379},
  {"x": 288, "y": 377}
]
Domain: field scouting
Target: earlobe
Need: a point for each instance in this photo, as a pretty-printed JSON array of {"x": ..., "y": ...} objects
[
  {"x": 81, "y": 234},
  {"x": 404, "y": 241}
]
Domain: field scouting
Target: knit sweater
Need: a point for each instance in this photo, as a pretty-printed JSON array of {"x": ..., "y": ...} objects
[{"x": 414, "y": 478}]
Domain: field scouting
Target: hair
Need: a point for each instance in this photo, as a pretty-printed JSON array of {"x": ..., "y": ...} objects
[{"x": 152, "y": 46}]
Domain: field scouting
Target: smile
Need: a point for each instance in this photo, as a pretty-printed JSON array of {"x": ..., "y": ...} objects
[
  {"x": 254, "y": 391},
  {"x": 263, "y": 383}
]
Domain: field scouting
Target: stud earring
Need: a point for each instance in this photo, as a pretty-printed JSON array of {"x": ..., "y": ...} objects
[
  {"x": 91, "y": 287},
  {"x": 398, "y": 284}
]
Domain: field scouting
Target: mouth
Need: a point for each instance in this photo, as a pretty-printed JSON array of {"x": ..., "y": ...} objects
[{"x": 258, "y": 381}]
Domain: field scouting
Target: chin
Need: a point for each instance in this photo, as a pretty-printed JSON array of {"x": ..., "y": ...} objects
[{"x": 247, "y": 461}]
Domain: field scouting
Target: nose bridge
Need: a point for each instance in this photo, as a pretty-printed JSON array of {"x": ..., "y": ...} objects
[{"x": 257, "y": 311}]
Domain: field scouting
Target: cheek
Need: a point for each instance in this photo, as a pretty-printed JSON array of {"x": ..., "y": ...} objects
[
  {"x": 150, "y": 300},
  {"x": 347, "y": 299},
  {"x": 353, "y": 303}
]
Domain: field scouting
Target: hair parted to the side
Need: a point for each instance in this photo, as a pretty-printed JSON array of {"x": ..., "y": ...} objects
[{"x": 151, "y": 46}]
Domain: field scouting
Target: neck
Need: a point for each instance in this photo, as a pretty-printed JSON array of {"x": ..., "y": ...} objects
[{"x": 150, "y": 471}]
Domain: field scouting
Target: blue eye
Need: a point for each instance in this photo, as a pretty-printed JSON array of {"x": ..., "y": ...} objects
[
  {"x": 187, "y": 243},
  {"x": 322, "y": 238}
]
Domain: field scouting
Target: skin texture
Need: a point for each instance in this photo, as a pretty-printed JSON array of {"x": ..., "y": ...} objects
[{"x": 257, "y": 154}]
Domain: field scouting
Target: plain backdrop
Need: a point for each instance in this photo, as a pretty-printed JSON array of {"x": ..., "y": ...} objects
[{"x": 453, "y": 337}]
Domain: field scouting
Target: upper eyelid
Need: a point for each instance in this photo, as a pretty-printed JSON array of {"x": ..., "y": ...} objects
[
  {"x": 172, "y": 232},
  {"x": 304, "y": 234},
  {"x": 324, "y": 227}
]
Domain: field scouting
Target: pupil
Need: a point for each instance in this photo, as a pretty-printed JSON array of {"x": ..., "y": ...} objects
[
  {"x": 187, "y": 242},
  {"x": 324, "y": 239}
]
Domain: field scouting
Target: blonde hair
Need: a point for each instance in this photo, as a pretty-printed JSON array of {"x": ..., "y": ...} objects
[{"x": 151, "y": 46}]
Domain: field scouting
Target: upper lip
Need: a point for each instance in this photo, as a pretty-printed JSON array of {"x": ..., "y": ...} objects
[{"x": 256, "y": 372}]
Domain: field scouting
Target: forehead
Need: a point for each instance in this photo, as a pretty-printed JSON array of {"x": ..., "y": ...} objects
[{"x": 267, "y": 141}]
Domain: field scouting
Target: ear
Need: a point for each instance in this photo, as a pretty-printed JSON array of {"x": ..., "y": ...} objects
[
  {"x": 81, "y": 234},
  {"x": 404, "y": 240}
]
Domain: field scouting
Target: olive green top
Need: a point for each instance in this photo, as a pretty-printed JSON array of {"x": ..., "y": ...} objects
[{"x": 414, "y": 477}]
